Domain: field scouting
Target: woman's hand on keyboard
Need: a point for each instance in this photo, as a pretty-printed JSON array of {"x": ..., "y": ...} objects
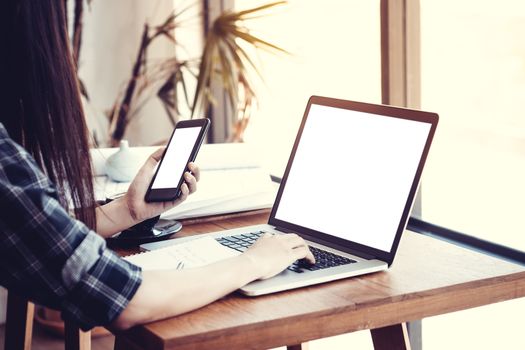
[{"x": 271, "y": 254}]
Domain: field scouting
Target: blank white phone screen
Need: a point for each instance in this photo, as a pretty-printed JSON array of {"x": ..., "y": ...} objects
[
  {"x": 352, "y": 174},
  {"x": 176, "y": 158}
]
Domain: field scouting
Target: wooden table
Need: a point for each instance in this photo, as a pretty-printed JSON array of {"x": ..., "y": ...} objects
[{"x": 429, "y": 277}]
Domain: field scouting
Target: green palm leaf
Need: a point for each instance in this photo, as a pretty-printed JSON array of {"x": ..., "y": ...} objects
[{"x": 226, "y": 63}]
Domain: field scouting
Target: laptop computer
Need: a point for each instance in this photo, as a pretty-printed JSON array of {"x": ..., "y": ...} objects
[{"x": 347, "y": 190}]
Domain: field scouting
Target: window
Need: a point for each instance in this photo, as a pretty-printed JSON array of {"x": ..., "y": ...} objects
[
  {"x": 473, "y": 75},
  {"x": 335, "y": 51}
]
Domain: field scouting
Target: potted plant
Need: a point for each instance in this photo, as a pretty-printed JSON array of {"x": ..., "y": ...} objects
[{"x": 226, "y": 62}]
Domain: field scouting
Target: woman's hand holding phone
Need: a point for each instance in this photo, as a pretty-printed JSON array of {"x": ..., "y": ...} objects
[
  {"x": 141, "y": 210},
  {"x": 182, "y": 148},
  {"x": 167, "y": 178}
]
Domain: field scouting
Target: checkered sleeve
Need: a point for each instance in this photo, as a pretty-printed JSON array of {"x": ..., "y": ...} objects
[
  {"x": 100, "y": 284},
  {"x": 51, "y": 258}
]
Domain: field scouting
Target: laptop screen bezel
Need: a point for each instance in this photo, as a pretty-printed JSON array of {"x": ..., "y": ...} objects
[{"x": 384, "y": 110}]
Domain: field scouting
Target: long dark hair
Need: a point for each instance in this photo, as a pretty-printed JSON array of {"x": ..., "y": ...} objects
[{"x": 40, "y": 103}]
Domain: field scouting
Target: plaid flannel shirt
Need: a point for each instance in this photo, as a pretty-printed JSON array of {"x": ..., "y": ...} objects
[{"x": 51, "y": 258}]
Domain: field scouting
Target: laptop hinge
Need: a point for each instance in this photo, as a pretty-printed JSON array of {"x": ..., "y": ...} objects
[{"x": 328, "y": 244}]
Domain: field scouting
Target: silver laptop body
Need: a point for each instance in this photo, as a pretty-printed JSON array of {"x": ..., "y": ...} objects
[{"x": 348, "y": 188}]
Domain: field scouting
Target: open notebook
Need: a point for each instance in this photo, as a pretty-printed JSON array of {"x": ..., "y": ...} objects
[{"x": 183, "y": 255}]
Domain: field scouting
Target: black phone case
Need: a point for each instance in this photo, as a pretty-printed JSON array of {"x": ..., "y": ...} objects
[{"x": 165, "y": 195}]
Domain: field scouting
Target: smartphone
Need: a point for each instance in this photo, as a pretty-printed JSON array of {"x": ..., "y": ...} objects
[{"x": 182, "y": 148}]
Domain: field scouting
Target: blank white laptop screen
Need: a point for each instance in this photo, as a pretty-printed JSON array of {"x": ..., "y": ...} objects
[{"x": 352, "y": 173}]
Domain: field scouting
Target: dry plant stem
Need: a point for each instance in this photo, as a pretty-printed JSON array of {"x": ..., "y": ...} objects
[
  {"x": 77, "y": 30},
  {"x": 154, "y": 83},
  {"x": 121, "y": 114},
  {"x": 168, "y": 101}
]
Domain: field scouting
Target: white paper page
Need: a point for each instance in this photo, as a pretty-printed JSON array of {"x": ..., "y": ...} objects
[
  {"x": 218, "y": 187},
  {"x": 254, "y": 202},
  {"x": 194, "y": 253}
]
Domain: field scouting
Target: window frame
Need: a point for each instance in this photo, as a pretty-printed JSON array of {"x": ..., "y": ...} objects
[
  {"x": 221, "y": 113},
  {"x": 401, "y": 86}
]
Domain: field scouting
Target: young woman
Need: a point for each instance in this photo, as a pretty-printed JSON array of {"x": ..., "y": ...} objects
[{"x": 49, "y": 251}]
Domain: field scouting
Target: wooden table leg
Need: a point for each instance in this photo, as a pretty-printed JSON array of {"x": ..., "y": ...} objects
[
  {"x": 75, "y": 339},
  {"x": 19, "y": 322},
  {"x": 302, "y": 346},
  {"x": 393, "y": 337}
]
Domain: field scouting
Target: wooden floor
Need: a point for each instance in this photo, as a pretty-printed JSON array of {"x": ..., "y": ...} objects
[{"x": 45, "y": 341}]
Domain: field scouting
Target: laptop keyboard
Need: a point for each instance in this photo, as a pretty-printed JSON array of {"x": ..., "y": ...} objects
[{"x": 323, "y": 259}]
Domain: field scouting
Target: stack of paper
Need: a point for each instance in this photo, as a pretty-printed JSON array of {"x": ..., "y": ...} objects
[
  {"x": 225, "y": 191},
  {"x": 231, "y": 181}
]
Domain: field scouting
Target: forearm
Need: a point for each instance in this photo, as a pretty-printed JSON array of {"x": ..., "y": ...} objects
[
  {"x": 168, "y": 293},
  {"x": 113, "y": 217}
]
